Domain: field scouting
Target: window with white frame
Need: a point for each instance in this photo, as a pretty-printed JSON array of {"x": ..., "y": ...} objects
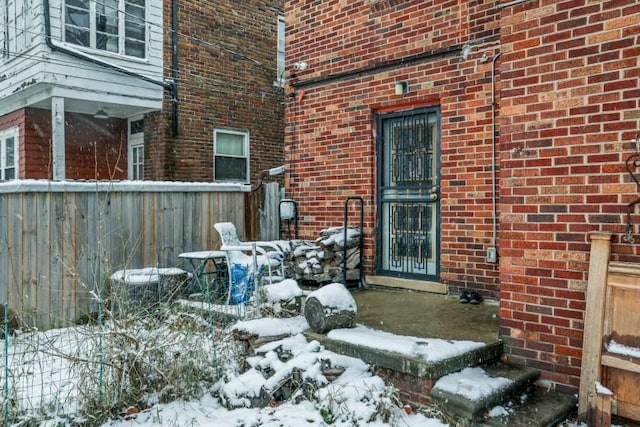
[
  {"x": 15, "y": 36},
  {"x": 8, "y": 154},
  {"x": 231, "y": 155},
  {"x": 136, "y": 149},
  {"x": 280, "y": 54},
  {"x": 4, "y": 35},
  {"x": 116, "y": 26}
]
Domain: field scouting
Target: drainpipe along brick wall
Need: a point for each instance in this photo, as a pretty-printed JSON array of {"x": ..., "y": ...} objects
[
  {"x": 226, "y": 74},
  {"x": 569, "y": 108},
  {"x": 331, "y": 120}
]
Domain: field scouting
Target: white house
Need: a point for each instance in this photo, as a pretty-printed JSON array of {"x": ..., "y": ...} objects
[{"x": 76, "y": 78}]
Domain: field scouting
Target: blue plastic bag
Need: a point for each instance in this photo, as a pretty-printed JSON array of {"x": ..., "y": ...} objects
[{"x": 242, "y": 284}]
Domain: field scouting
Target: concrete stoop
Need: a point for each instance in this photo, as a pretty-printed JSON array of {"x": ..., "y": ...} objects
[
  {"x": 522, "y": 403},
  {"x": 541, "y": 408},
  {"x": 407, "y": 365}
]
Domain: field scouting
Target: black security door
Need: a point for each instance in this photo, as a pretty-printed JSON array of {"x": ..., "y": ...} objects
[{"x": 408, "y": 194}]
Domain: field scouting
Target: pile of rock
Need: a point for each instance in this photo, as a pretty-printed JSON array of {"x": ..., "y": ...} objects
[{"x": 322, "y": 261}]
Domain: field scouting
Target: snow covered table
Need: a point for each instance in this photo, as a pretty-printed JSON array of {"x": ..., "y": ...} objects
[{"x": 209, "y": 270}]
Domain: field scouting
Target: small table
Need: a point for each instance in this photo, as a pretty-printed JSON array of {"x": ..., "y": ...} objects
[{"x": 212, "y": 264}]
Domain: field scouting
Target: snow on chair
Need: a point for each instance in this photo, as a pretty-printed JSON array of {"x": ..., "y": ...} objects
[{"x": 247, "y": 261}]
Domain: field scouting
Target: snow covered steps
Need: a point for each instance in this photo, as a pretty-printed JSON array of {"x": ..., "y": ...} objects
[
  {"x": 403, "y": 364},
  {"x": 500, "y": 395}
]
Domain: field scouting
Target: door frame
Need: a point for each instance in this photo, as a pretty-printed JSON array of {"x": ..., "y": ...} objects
[{"x": 380, "y": 162}]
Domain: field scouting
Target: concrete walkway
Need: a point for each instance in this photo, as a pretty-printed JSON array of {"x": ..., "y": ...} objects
[{"x": 426, "y": 315}]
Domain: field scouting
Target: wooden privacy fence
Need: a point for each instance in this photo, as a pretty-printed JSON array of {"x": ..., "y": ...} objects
[
  {"x": 60, "y": 241},
  {"x": 610, "y": 378}
]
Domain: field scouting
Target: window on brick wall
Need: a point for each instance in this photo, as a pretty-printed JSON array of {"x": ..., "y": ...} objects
[
  {"x": 231, "y": 155},
  {"x": 8, "y": 154},
  {"x": 280, "y": 54},
  {"x": 116, "y": 26},
  {"x": 136, "y": 149}
]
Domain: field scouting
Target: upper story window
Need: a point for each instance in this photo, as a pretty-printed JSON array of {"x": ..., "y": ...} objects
[
  {"x": 280, "y": 54},
  {"x": 8, "y": 154},
  {"x": 116, "y": 26},
  {"x": 231, "y": 155},
  {"x": 14, "y": 27}
]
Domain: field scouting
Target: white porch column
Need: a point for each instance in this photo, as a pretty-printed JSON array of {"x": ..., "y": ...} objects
[{"x": 57, "y": 137}]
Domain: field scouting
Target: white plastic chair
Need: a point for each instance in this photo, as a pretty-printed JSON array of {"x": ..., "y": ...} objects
[{"x": 256, "y": 256}]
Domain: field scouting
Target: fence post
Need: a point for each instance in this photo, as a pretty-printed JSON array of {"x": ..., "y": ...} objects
[
  {"x": 593, "y": 323},
  {"x": 6, "y": 363},
  {"x": 100, "y": 351}
]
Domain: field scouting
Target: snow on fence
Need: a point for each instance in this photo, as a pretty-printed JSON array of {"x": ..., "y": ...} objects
[{"x": 59, "y": 241}]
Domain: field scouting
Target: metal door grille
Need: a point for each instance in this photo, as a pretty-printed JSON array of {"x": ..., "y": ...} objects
[{"x": 408, "y": 190}]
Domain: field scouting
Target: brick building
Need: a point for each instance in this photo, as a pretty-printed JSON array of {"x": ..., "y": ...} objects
[
  {"x": 132, "y": 89},
  {"x": 229, "y": 86},
  {"x": 486, "y": 139}
]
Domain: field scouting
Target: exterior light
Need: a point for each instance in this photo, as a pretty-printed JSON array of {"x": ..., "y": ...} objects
[
  {"x": 101, "y": 114},
  {"x": 401, "y": 87}
]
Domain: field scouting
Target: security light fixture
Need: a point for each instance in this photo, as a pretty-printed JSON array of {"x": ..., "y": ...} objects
[
  {"x": 101, "y": 114},
  {"x": 300, "y": 66},
  {"x": 401, "y": 87}
]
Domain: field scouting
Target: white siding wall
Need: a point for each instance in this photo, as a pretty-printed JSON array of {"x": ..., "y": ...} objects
[{"x": 37, "y": 73}]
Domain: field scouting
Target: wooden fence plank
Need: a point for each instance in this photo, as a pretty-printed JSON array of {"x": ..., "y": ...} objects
[
  {"x": 4, "y": 256},
  {"x": 30, "y": 250},
  {"x": 15, "y": 284},
  {"x": 70, "y": 269},
  {"x": 593, "y": 323}
]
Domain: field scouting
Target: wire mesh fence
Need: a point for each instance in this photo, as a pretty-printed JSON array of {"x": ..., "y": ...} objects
[{"x": 145, "y": 336}]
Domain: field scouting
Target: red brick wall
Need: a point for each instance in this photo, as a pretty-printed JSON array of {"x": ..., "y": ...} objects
[
  {"x": 35, "y": 152},
  {"x": 226, "y": 78},
  {"x": 12, "y": 120},
  {"x": 569, "y": 108},
  {"x": 413, "y": 391},
  {"x": 355, "y": 51},
  {"x": 94, "y": 149}
]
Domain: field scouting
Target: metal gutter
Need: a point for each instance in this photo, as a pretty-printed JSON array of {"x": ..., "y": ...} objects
[
  {"x": 174, "y": 67},
  {"x": 493, "y": 154}
]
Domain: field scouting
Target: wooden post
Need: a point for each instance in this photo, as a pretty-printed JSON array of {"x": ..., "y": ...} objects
[
  {"x": 57, "y": 137},
  {"x": 593, "y": 323},
  {"x": 603, "y": 407}
]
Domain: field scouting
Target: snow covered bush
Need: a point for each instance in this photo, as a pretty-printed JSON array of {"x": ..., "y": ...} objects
[
  {"x": 84, "y": 374},
  {"x": 170, "y": 355}
]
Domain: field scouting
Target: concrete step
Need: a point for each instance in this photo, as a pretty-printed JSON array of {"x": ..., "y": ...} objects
[
  {"x": 537, "y": 407},
  {"x": 469, "y": 393},
  {"x": 404, "y": 364}
]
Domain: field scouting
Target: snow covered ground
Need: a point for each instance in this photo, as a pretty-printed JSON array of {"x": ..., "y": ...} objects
[
  {"x": 356, "y": 398},
  {"x": 351, "y": 396}
]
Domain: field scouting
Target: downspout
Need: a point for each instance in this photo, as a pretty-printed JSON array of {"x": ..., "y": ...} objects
[
  {"x": 54, "y": 47},
  {"x": 174, "y": 68},
  {"x": 492, "y": 252}
]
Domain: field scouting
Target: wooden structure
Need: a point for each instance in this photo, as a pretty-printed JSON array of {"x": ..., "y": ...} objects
[
  {"x": 611, "y": 323},
  {"x": 60, "y": 241}
]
